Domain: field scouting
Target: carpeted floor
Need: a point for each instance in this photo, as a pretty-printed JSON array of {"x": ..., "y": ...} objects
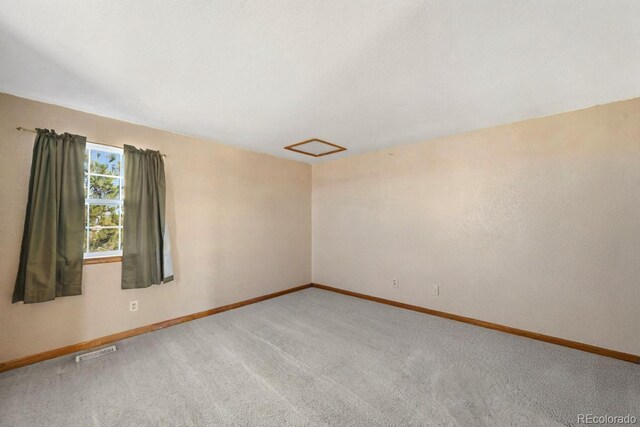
[{"x": 319, "y": 358}]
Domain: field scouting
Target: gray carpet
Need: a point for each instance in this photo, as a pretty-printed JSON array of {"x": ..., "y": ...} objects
[{"x": 318, "y": 358}]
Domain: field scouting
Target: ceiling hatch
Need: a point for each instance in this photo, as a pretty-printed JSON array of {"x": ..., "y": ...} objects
[{"x": 315, "y": 148}]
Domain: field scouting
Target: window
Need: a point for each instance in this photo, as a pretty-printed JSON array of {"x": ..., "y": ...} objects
[{"x": 104, "y": 186}]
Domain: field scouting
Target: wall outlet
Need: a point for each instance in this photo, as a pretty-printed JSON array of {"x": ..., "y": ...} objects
[
  {"x": 435, "y": 290},
  {"x": 395, "y": 283},
  {"x": 133, "y": 305}
]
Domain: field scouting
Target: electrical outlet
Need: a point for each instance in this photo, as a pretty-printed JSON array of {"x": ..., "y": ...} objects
[
  {"x": 395, "y": 283},
  {"x": 435, "y": 290},
  {"x": 133, "y": 305}
]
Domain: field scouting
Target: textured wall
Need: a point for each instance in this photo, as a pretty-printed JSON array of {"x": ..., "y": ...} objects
[
  {"x": 534, "y": 225},
  {"x": 240, "y": 224}
]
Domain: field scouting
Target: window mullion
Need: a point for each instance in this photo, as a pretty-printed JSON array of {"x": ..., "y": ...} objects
[
  {"x": 105, "y": 175},
  {"x": 110, "y": 202}
]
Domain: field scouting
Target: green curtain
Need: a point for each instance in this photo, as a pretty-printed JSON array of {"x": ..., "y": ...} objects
[
  {"x": 146, "y": 249},
  {"x": 52, "y": 241}
]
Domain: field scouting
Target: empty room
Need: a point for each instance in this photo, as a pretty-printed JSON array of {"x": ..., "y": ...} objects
[{"x": 319, "y": 213}]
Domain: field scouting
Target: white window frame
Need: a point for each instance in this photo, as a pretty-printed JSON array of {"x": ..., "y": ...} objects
[{"x": 114, "y": 202}]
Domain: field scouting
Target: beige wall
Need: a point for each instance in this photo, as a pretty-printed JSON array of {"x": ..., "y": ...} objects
[
  {"x": 240, "y": 225},
  {"x": 534, "y": 225}
]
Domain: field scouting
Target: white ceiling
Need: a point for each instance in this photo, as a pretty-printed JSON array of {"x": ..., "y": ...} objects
[{"x": 263, "y": 74}]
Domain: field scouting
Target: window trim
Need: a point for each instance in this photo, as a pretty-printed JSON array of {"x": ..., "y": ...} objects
[
  {"x": 106, "y": 256},
  {"x": 102, "y": 260}
]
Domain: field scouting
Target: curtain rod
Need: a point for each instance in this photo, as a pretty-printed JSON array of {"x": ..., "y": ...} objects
[{"x": 21, "y": 129}]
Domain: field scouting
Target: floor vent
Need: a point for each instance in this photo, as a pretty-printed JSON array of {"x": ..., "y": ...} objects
[{"x": 94, "y": 354}]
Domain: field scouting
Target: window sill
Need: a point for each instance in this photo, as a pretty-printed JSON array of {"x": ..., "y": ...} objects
[{"x": 102, "y": 260}]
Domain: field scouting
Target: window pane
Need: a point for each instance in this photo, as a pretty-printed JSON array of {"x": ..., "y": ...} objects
[
  {"x": 102, "y": 187},
  {"x": 104, "y": 215},
  {"x": 105, "y": 163},
  {"x": 102, "y": 240}
]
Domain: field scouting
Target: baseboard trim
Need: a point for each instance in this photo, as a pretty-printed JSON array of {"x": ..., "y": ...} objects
[
  {"x": 86, "y": 345},
  {"x": 62, "y": 351},
  {"x": 489, "y": 325}
]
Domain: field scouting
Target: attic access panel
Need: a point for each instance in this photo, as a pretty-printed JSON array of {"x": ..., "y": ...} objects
[{"x": 315, "y": 148}]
